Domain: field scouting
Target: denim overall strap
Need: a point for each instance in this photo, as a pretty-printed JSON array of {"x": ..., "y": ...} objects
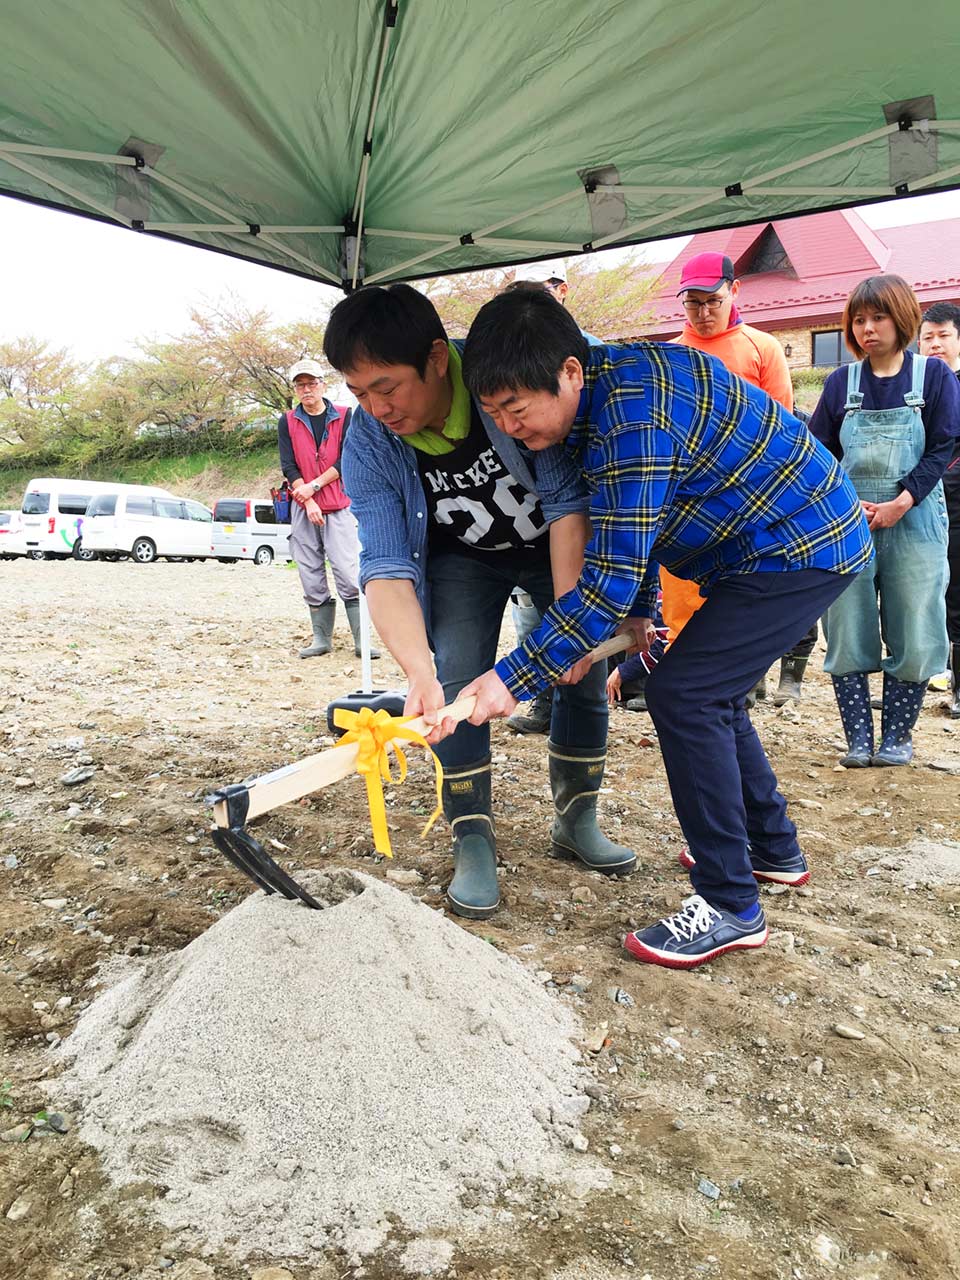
[
  {"x": 854, "y": 394},
  {"x": 914, "y": 397}
]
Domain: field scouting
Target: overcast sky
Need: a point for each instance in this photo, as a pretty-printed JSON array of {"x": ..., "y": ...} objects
[{"x": 96, "y": 289}]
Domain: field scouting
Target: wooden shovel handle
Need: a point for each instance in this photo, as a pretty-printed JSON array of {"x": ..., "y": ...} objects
[{"x": 294, "y": 781}]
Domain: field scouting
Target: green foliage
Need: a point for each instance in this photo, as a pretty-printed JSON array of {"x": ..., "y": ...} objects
[
  {"x": 611, "y": 302},
  {"x": 6, "y": 1089},
  {"x": 808, "y": 387}
]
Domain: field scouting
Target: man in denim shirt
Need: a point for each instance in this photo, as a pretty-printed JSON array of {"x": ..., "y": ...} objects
[{"x": 453, "y": 514}]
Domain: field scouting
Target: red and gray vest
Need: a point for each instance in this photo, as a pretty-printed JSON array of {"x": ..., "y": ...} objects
[{"x": 312, "y": 460}]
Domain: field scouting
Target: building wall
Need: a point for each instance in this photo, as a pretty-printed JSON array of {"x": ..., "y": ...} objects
[{"x": 800, "y": 341}]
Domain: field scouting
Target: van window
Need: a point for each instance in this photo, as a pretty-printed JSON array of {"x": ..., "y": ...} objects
[
  {"x": 264, "y": 513},
  {"x": 168, "y": 510},
  {"x": 230, "y": 511},
  {"x": 35, "y": 504},
  {"x": 73, "y": 504},
  {"x": 139, "y": 507},
  {"x": 105, "y": 504},
  {"x": 197, "y": 511},
  {"x": 5, "y": 519}
]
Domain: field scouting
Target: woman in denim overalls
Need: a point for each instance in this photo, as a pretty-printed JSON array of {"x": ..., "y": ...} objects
[{"x": 894, "y": 435}]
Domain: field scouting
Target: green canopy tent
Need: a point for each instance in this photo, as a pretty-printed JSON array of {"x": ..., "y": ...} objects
[{"x": 378, "y": 140}]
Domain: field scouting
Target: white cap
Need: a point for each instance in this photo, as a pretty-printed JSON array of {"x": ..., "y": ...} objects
[
  {"x": 307, "y": 366},
  {"x": 541, "y": 272}
]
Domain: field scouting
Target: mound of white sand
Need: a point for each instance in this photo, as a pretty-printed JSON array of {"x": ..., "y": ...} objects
[{"x": 293, "y": 1077}]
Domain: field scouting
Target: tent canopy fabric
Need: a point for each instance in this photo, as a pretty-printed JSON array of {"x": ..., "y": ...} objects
[{"x": 459, "y": 134}]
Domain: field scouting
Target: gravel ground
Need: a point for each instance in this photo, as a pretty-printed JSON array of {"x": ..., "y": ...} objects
[{"x": 786, "y": 1114}]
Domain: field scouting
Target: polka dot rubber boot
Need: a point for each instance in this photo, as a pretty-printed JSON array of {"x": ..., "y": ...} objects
[
  {"x": 853, "y": 699},
  {"x": 902, "y": 700}
]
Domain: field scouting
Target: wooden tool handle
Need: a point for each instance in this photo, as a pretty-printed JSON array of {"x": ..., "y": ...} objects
[{"x": 294, "y": 781}]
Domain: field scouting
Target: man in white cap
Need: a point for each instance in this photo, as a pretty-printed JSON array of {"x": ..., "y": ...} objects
[
  {"x": 552, "y": 276},
  {"x": 322, "y": 526}
]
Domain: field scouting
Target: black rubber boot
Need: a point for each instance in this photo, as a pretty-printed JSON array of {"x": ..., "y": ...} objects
[
  {"x": 321, "y": 619},
  {"x": 791, "y": 676},
  {"x": 474, "y": 891},
  {"x": 576, "y": 774},
  {"x": 902, "y": 700},
  {"x": 353, "y": 617},
  {"x": 757, "y": 694},
  {"x": 955, "y": 683},
  {"x": 633, "y": 694},
  {"x": 536, "y": 719},
  {"x": 853, "y": 700}
]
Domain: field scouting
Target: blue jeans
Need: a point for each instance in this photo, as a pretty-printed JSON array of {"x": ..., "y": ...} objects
[
  {"x": 724, "y": 791},
  {"x": 468, "y": 596},
  {"x": 909, "y": 577}
]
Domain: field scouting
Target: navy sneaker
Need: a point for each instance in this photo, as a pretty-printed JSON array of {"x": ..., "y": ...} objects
[
  {"x": 794, "y": 871},
  {"x": 696, "y": 934}
]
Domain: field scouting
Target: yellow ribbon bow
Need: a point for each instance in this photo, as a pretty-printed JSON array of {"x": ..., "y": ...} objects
[{"x": 376, "y": 734}]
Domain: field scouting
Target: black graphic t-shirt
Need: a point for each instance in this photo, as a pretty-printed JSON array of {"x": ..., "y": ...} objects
[{"x": 474, "y": 503}]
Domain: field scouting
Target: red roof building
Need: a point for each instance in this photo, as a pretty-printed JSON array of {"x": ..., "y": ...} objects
[{"x": 796, "y": 275}]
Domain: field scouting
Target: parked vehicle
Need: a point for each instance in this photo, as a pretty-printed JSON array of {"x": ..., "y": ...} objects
[
  {"x": 146, "y": 524},
  {"x": 248, "y": 529},
  {"x": 13, "y": 541},
  {"x": 53, "y": 512}
]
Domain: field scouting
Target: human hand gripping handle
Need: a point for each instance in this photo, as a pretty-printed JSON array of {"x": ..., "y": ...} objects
[
  {"x": 293, "y": 781},
  {"x": 494, "y": 700}
]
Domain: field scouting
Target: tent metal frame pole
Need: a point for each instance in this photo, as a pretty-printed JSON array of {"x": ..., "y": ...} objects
[
  {"x": 237, "y": 228},
  {"x": 934, "y": 178},
  {"x": 473, "y": 236},
  {"x": 56, "y": 153},
  {"x": 67, "y": 190},
  {"x": 748, "y": 184},
  {"x": 391, "y": 14},
  {"x": 172, "y": 183},
  {"x": 547, "y": 246}
]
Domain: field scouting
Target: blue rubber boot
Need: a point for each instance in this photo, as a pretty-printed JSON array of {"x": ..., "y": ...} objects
[
  {"x": 474, "y": 892},
  {"x": 902, "y": 700},
  {"x": 853, "y": 699}
]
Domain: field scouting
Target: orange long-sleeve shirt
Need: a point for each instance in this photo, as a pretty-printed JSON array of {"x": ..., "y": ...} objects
[{"x": 756, "y": 357}]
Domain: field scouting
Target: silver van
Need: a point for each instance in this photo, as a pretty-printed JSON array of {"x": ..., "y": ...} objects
[{"x": 248, "y": 529}]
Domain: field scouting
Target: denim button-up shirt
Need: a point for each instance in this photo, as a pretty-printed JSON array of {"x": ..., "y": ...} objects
[{"x": 386, "y": 495}]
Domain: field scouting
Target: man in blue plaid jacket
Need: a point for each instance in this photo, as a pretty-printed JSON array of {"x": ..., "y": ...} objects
[{"x": 690, "y": 467}]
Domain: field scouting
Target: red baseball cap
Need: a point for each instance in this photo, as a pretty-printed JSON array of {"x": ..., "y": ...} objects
[{"x": 706, "y": 271}]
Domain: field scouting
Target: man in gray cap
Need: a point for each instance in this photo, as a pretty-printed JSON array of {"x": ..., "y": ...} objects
[{"x": 322, "y": 526}]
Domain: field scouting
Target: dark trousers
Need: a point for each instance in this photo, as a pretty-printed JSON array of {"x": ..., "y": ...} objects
[
  {"x": 953, "y": 589},
  {"x": 468, "y": 596},
  {"x": 724, "y": 791},
  {"x": 806, "y": 644}
]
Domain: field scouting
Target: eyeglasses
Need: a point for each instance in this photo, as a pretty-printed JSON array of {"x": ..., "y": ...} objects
[{"x": 711, "y": 304}]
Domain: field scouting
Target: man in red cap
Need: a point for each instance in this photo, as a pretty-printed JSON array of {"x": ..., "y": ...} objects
[{"x": 709, "y": 291}]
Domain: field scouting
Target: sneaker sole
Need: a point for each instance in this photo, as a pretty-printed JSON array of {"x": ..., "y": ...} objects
[
  {"x": 792, "y": 878},
  {"x": 565, "y": 854},
  {"x": 669, "y": 960}
]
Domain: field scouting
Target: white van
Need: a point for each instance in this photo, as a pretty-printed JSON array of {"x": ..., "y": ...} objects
[
  {"x": 247, "y": 529},
  {"x": 53, "y": 512},
  {"x": 12, "y": 540},
  {"x": 146, "y": 523}
]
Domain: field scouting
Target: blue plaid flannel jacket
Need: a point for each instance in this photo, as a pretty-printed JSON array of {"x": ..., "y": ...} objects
[{"x": 693, "y": 468}]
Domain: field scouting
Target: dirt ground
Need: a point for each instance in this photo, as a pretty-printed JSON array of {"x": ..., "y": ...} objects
[{"x": 748, "y": 1137}]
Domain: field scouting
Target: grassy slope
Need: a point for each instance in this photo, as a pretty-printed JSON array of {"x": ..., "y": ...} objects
[{"x": 205, "y": 476}]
